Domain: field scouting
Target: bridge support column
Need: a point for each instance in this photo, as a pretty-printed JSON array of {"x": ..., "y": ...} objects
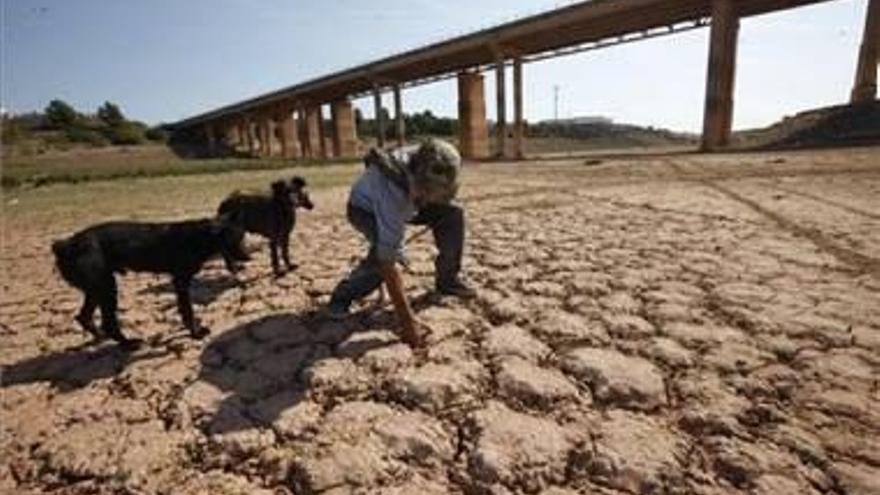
[
  {"x": 344, "y": 131},
  {"x": 260, "y": 130},
  {"x": 400, "y": 124},
  {"x": 228, "y": 136},
  {"x": 473, "y": 135},
  {"x": 258, "y": 137},
  {"x": 252, "y": 137},
  {"x": 211, "y": 138},
  {"x": 301, "y": 133},
  {"x": 325, "y": 152},
  {"x": 241, "y": 124},
  {"x": 501, "y": 110},
  {"x": 380, "y": 117},
  {"x": 313, "y": 131},
  {"x": 865, "y": 87},
  {"x": 518, "y": 125},
  {"x": 718, "y": 114},
  {"x": 285, "y": 130},
  {"x": 231, "y": 134},
  {"x": 268, "y": 136}
]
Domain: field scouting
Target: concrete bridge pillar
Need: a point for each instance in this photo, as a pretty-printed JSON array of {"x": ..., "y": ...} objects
[
  {"x": 313, "y": 132},
  {"x": 400, "y": 123},
  {"x": 473, "y": 135},
  {"x": 252, "y": 137},
  {"x": 241, "y": 125},
  {"x": 518, "y": 124},
  {"x": 325, "y": 150},
  {"x": 344, "y": 131},
  {"x": 380, "y": 117},
  {"x": 230, "y": 134},
  {"x": 501, "y": 107},
  {"x": 865, "y": 87},
  {"x": 259, "y": 140},
  {"x": 718, "y": 114},
  {"x": 266, "y": 136},
  {"x": 285, "y": 131},
  {"x": 302, "y": 136},
  {"x": 211, "y": 138}
]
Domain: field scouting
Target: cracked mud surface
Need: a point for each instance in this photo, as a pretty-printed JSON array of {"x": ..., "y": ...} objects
[{"x": 676, "y": 324}]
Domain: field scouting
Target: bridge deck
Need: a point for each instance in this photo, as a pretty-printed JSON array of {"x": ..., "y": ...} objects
[{"x": 578, "y": 24}]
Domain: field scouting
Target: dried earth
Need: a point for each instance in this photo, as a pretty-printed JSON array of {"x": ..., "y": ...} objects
[{"x": 666, "y": 324}]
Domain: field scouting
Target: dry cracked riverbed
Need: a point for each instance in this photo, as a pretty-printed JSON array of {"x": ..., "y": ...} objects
[{"x": 674, "y": 324}]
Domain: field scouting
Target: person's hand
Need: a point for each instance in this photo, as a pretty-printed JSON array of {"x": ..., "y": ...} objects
[
  {"x": 410, "y": 332},
  {"x": 419, "y": 343},
  {"x": 424, "y": 332}
]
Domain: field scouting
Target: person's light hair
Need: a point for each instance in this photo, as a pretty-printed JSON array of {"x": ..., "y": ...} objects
[{"x": 434, "y": 170}]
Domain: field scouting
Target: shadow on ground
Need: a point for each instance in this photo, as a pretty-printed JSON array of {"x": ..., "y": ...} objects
[
  {"x": 79, "y": 366},
  {"x": 266, "y": 365},
  {"x": 203, "y": 291}
]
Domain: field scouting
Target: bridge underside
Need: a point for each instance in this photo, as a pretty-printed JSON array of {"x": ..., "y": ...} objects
[{"x": 584, "y": 26}]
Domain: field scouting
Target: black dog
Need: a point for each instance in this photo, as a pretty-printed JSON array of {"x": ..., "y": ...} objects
[
  {"x": 89, "y": 259},
  {"x": 273, "y": 217}
]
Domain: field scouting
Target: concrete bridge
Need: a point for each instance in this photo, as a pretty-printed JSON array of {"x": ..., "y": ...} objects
[{"x": 289, "y": 122}]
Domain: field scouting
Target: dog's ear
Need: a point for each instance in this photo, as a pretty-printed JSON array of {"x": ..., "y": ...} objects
[
  {"x": 297, "y": 182},
  {"x": 279, "y": 187}
]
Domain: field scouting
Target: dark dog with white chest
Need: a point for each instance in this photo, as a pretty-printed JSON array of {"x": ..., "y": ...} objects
[
  {"x": 89, "y": 260},
  {"x": 272, "y": 217}
]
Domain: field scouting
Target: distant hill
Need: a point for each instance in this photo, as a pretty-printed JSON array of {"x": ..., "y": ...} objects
[
  {"x": 843, "y": 125},
  {"x": 606, "y": 134}
]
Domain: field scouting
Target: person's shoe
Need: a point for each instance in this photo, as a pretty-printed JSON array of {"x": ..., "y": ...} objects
[
  {"x": 336, "y": 312},
  {"x": 457, "y": 288}
]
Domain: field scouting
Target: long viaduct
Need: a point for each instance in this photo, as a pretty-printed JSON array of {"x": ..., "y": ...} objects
[{"x": 289, "y": 122}]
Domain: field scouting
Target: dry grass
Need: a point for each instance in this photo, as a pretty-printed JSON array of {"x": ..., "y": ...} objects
[{"x": 102, "y": 164}]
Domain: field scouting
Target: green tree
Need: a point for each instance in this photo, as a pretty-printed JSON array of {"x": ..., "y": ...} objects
[
  {"x": 110, "y": 114},
  {"x": 60, "y": 115}
]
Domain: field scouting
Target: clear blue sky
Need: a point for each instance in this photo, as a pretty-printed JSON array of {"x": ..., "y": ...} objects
[{"x": 163, "y": 60}]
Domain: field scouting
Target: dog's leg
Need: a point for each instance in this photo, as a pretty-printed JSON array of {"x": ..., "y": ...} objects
[
  {"x": 273, "y": 252},
  {"x": 285, "y": 251},
  {"x": 184, "y": 307},
  {"x": 86, "y": 315},
  {"x": 231, "y": 265},
  {"x": 106, "y": 296}
]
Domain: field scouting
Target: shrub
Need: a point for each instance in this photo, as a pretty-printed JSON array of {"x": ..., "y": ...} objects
[
  {"x": 126, "y": 133},
  {"x": 156, "y": 134},
  {"x": 85, "y": 135},
  {"x": 12, "y": 131}
]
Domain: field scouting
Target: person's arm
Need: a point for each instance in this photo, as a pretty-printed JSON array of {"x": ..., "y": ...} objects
[
  {"x": 392, "y": 211},
  {"x": 406, "y": 318}
]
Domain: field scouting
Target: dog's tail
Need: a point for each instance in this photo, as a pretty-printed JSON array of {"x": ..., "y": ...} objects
[
  {"x": 61, "y": 247},
  {"x": 67, "y": 254}
]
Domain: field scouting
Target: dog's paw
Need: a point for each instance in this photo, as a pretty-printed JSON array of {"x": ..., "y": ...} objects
[
  {"x": 129, "y": 345},
  {"x": 200, "y": 333}
]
